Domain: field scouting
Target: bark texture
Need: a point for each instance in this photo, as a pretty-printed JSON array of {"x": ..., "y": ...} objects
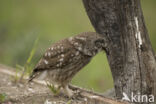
[{"x": 131, "y": 56}]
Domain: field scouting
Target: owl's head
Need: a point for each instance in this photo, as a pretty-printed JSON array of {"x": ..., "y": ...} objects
[{"x": 90, "y": 43}]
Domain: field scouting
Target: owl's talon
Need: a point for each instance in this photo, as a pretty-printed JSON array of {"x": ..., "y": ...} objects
[{"x": 68, "y": 91}]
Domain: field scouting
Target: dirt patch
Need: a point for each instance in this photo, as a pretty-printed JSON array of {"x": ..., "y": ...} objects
[
  {"x": 39, "y": 93},
  {"x": 19, "y": 93}
]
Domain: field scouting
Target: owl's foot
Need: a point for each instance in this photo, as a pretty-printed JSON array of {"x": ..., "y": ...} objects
[{"x": 68, "y": 91}]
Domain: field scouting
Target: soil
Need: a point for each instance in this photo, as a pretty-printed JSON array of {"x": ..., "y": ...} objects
[
  {"x": 20, "y": 93},
  {"x": 37, "y": 93}
]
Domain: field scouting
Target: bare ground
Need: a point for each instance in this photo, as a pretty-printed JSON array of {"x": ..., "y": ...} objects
[
  {"x": 19, "y": 93},
  {"x": 35, "y": 93}
]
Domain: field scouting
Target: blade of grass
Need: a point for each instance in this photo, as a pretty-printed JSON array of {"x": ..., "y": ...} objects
[
  {"x": 53, "y": 89},
  {"x": 26, "y": 66},
  {"x": 32, "y": 52}
]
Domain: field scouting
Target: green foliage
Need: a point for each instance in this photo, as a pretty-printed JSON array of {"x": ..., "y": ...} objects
[
  {"x": 27, "y": 65},
  {"x": 16, "y": 78},
  {"x": 26, "y": 69},
  {"x": 32, "y": 52},
  {"x": 53, "y": 89},
  {"x": 3, "y": 97}
]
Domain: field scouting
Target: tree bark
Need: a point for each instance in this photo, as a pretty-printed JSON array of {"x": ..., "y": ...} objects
[{"x": 131, "y": 57}]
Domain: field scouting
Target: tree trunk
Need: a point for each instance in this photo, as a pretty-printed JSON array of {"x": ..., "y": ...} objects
[{"x": 131, "y": 57}]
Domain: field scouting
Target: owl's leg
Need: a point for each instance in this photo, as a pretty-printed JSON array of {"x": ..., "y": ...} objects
[{"x": 68, "y": 91}]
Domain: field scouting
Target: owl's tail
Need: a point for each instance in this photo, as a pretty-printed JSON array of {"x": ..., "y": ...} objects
[
  {"x": 40, "y": 74},
  {"x": 34, "y": 74}
]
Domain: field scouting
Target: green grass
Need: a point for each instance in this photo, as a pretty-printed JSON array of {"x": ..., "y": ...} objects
[
  {"x": 53, "y": 89},
  {"x": 27, "y": 68},
  {"x": 3, "y": 97}
]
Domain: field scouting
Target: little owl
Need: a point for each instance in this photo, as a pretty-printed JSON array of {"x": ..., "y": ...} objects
[{"x": 65, "y": 58}]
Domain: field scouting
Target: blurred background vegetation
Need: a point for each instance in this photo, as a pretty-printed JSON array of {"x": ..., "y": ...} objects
[{"x": 23, "y": 21}]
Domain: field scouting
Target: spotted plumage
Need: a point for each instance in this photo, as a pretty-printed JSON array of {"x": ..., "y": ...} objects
[{"x": 66, "y": 57}]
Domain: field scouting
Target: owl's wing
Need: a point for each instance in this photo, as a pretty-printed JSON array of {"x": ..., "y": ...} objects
[{"x": 56, "y": 56}]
